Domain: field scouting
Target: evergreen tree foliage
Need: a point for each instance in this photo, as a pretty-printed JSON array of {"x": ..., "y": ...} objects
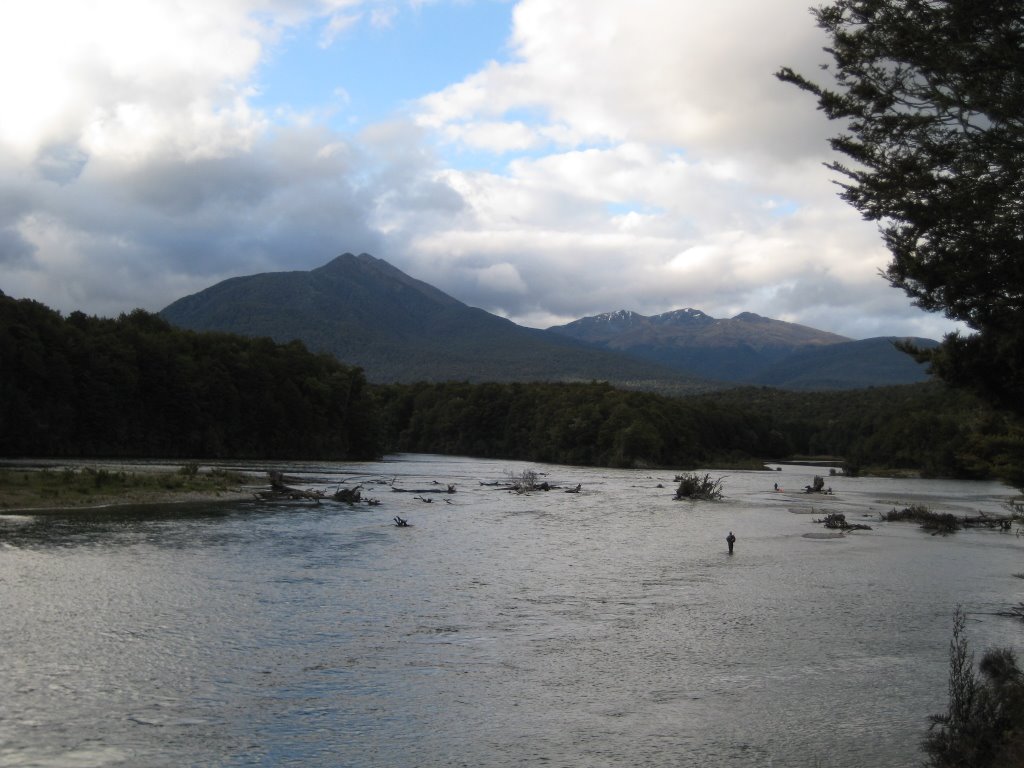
[
  {"x": 930, "y": 94},
  {"x": 135, "y": 386},
  {"x": 928, "y": 428},
  {"x": 591, "y": 424}
]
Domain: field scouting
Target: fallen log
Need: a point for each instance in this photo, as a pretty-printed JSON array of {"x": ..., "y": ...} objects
[
  {"x": 449, "y": 489},
  {"x": 289, "y": 494}
]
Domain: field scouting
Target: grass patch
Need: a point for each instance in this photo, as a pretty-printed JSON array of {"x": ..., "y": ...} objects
[{"x": 89, "y": 486}]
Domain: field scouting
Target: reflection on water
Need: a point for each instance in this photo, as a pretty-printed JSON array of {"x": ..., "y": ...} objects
[{"x": 605, "y": 628}]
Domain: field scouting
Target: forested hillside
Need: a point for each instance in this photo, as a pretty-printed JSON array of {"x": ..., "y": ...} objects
[{"x": 134, "y": 386}]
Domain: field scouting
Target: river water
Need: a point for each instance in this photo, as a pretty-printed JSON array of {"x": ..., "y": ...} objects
[{"x": 608, "y": 627}]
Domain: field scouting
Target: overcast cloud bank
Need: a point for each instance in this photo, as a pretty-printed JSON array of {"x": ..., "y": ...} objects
[{"x": 607, "y": 157}]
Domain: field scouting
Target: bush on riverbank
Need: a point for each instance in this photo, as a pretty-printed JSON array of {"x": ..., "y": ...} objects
[
  {"x": 693, "y": 486},
  {"x": 983, "y": 726}
]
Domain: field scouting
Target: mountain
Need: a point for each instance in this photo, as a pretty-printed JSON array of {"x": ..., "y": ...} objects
[
  {"x": 366, "y": 312},
  {"x": 848, "y": 365},
  {"x": 689, "y": 340},
  {"x": 750, "y": 349}
]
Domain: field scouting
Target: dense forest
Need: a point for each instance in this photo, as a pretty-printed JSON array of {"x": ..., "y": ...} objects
[
  {"x": 585, "y": 424},
  {"x": 137, "y": 387},
  {"x": 926, "y": 428}
]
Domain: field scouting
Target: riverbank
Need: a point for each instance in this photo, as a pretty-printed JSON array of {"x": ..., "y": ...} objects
[{"x": 63, "y": 487}]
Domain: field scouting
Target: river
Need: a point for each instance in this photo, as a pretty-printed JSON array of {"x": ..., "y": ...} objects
[{"x": 608, "y": 627}]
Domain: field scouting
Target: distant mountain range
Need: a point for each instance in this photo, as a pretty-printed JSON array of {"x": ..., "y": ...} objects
[
  {"x": 751, "y": 349},
  {"x": 366, "y": 312}
]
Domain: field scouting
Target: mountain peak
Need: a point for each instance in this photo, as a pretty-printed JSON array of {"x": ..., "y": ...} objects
[
  {"x": 605, "y": 325},
  {"x": 620, "y": 316},
  {"x": 348, "y": 261},
  {"x": 683, "y": 317}
]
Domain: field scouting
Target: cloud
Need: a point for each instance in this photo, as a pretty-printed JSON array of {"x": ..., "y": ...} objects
[
  {"x": 610, "y": 157},
  {"x": 338, "y": 24},
  {"x": 138, "y": 170},
  {"x": 662, "y": 165},
  {"x": 678, "y": 73},
  {"x": 115, "y": 71}
]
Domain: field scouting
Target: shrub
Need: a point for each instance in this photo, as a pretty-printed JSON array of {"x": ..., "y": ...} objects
[
  {"x": 527, "y": 481},
  {"x": 983, "y": 726},
  {"x": 693, "y": 486}
]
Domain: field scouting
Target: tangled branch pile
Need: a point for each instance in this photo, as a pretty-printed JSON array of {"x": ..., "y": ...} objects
[{"x": 937, "y": 522}]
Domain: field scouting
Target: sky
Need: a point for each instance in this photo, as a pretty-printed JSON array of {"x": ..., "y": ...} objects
[{"x": 544, "y": 160}]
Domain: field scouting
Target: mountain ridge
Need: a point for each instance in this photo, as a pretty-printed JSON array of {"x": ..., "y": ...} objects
[
  {"x": 367, "y": 312},
  {"x": 692, "y": 327}
]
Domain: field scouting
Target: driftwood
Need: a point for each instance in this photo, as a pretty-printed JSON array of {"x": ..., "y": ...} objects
[
  {"x": 818, "y": 486},
  {"x": 945, "y": 522},
  {"x": 401, "y": 522},
  {"x": 354, "y": 496},
  {"x": 281, "y": 492},
  {"x": 449, "y": 489},
  {"x": 987, "y": 521},
  {"x": 577, "y": 489},
  {"x": 517, "y": 488},
  {"x": 348, "y": 495},
  {"x": 837, "y": 521},
  {"x": 1016, "y": 612}
]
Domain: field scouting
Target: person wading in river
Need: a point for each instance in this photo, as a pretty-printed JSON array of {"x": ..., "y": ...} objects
[{"x": 730, "y": 540}]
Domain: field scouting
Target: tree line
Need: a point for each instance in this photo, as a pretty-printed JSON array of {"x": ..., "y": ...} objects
[
  {"x": 928, "y": 428},
  {"x": 135, "y": 386}
]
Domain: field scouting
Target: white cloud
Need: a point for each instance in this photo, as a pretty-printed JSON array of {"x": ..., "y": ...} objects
[
  {"x": 106, "y": 72},
  {"x": 666, "y": 72},
  {"x": 683, "y": 172},
  {"x": 338, "y": 24},
  {"x": 497, "y": 137},
  {"x": 383, "y": 18},
  {"x": 503, "y": 277}
]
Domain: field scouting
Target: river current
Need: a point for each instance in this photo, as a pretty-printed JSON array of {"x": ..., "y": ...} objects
[{"x": 608, "y": 627}]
